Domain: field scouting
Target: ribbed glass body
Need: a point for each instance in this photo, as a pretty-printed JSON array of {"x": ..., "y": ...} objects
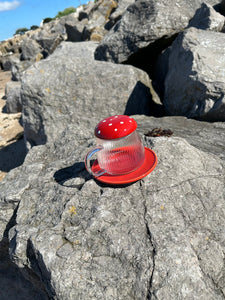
[{"x": 121, "y": 156}]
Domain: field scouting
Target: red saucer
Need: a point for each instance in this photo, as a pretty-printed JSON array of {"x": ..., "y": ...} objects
[{"x": 147, "y": 167}]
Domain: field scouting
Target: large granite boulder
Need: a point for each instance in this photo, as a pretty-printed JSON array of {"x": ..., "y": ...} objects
[
  {"x": 159, "y": 238},
  {"x": 205, "y": 18},
  {"x": 71, "y": 87},
  {"x": 146, "y": 24},
  {"x": 194, "y": 83}
]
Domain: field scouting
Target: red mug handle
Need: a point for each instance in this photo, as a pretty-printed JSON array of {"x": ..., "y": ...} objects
[{"x": 88, "y": 161}]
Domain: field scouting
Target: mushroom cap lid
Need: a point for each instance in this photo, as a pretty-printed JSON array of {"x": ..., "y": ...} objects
[{"x": 115, "y": 127}]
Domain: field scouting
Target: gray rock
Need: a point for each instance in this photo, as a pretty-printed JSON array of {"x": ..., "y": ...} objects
[
  {"x": 30, "y": 49},
  {"x": 194, "y": 85},
  {"x": 208, "y": 137},
  {"x": 85, "y": 10},
  {"x": 13, "y": 99},
  {"x": 99, "y": 19},
  {"x": 8, "y": 61},
  {"x": 51, "y": 34},
  {"x": 143, "y": 24},
  {"x": 83, "y": 50},
  {"x": 49, "y": 41},
  {"x": 206, "y": 18},
  {"x": 119, "y": 11},
  {"x": 71, "y": 28},
  {"x": 70, "y": 86},
  {"x": 89, "y": 22},
  {"x": 159, "y": 238},
  {"x": 13, "y": 284},
  {"x": 75, "y": 31},
  {"x": 19, "y": 67}
]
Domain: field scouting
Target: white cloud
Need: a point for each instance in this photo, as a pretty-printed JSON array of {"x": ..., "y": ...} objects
[{"x": 6, "y": 5}]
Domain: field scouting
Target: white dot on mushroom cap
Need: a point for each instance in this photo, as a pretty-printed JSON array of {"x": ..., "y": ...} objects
[
  {"x": 99, "y": 131},
  {"x": 116, "y": 116},
  {"x": 130, "y": 121},
  {"x": 104, "y": 121},
  {"x": 125, "y": 129},
  {"x": 121, "y": 122},
  {"x": 110, "y": 124},
  {"x": 115, "y": 129}
]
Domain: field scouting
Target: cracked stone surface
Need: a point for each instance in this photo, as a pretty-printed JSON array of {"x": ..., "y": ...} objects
[{"x": 159, "y": 238}]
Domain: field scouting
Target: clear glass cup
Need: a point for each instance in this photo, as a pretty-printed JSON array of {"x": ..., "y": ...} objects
[{"x": 117, "y": 156}]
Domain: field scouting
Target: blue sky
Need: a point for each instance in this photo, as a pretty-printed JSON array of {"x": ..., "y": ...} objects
[{"x": 16, "y": 14}]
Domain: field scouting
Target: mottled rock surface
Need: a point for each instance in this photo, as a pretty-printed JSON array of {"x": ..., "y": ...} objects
[
  {"x": 71, "y": 87},
  {"x": 145, "y": 23},
  {"x": 29, "y": 49},
  {"x": 160, "y": 238},
  {"x": 63, "y": 234},
  {"x": 194, "y": 84}
]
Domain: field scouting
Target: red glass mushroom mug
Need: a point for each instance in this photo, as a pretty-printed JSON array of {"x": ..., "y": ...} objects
[{"x": 118, "y": 148}]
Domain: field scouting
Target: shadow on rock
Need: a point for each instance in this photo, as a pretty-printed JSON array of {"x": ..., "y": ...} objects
[
  {"x": 4, "y": 109},
  {"x": 114, "y": 186},
  {"x": 135, "y": 105},
  {"x": 12, "y": 156},
  {"x": 72, "y": 176},
  {"x": 13, "y": 284},
  {"x": 76, "y": 175}
]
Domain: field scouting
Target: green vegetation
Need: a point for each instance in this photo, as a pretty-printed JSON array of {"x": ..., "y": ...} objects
[
  {"x": 65, "y": 12},
  {"x": 21, "y": 31},
  {"x": 47, "y": 20},
  {"x": 33, "y": 27}
]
